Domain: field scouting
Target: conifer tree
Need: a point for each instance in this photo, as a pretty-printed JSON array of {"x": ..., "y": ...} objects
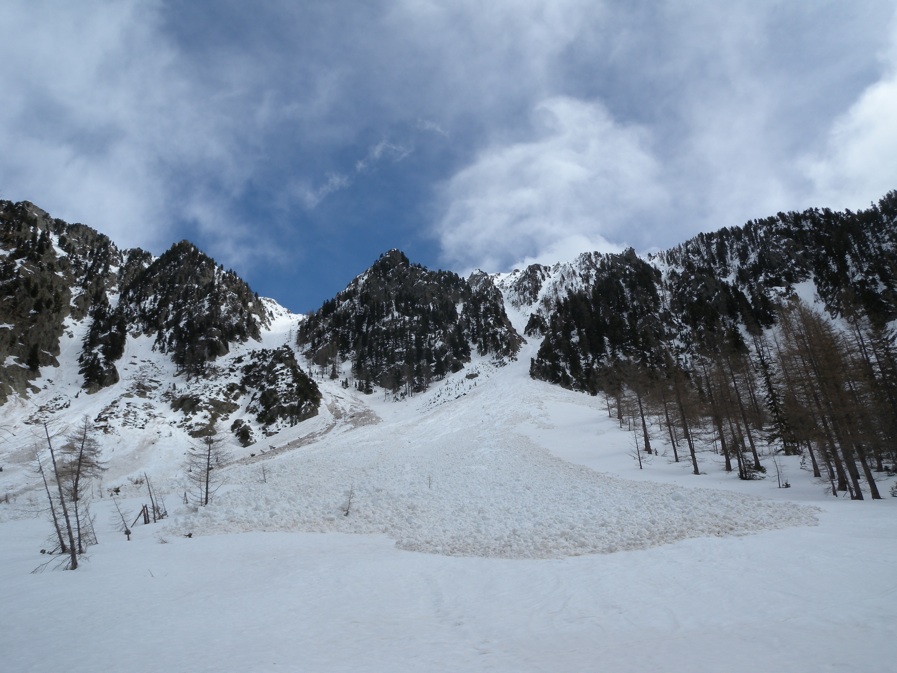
[{"x": 202, "y": 460}]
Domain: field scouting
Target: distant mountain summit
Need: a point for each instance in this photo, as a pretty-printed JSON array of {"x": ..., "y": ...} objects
[{"x": 401, "y": 326}]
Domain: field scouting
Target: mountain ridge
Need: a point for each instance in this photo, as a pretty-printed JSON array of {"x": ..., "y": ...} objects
[{"x": 680, "y": 335}]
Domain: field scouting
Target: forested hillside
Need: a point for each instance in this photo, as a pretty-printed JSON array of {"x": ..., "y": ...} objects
[
  {"x": 402, "y": 326},
  {"x": 779, "y": 334}
]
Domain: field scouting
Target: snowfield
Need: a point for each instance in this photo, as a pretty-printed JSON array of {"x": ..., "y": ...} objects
[
  {"x": 465, "y": 479},
  {"x": 494, "y": 523}
]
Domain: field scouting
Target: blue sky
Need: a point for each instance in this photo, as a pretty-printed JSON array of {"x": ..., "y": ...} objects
[{"x": 296, "y": 141}]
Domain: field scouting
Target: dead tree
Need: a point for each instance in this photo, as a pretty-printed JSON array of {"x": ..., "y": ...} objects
[
  {"x": 70, "y": 533},
  {"x": 201, "y": 461}
]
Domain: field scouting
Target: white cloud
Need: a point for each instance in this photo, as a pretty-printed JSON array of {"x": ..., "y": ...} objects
[
  {"x": 581, "y": 180},
  {"x": 472, "y": 62},
  {"x": 858, "y": 163},
  {"x": 312, "y": 196},
  {"x": 543, "y": 128},
  {"x": 102, "y": 124},
  {"x": 382, "y": 151}
]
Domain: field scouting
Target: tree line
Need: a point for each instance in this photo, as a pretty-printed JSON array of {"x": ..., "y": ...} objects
[
  {"x": 710, "y": 343},
  {"x": 811, "y": 387}
]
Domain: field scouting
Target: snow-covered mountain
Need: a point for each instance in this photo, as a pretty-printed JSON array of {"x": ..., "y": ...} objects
[
  {"x": 177, "y": 333},
  {"x": 416, "y": 412},
  {"x": 177, "y": 347},
  {"x": 401, "y": 326},
  {"x": 778, "y": 336}
]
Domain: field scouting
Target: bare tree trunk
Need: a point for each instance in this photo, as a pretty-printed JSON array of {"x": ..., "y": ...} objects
[
  {"x": 816, "y": 473},
  {"x": 208, "y": 474},
  {"x": 685, "y": 430},
  {"x": 717, "y": 421},
  {"x": 641, "y": 411},
  {"x": 867, "y": 472},
  {"x": 149, "y": 489},
  {"x": 73, "y": 552},
  {"x": 619, "y": 400},
  {"x": 738, "y": 443},
  {"x": 716, "y": 416},
  {"x": 666, "y": 413},
  {"x": 747, "y": 428},
  {"x": 833, "y": 458},
  {"x": 76, "y": 485},
  {"x": 62, "y": 546}
]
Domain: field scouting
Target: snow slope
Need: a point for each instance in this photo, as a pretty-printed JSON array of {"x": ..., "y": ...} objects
[
  {"x": 467, "y": 479},
  {"x": 137, "y": 427},
  {"x": 547, "y": 549}
]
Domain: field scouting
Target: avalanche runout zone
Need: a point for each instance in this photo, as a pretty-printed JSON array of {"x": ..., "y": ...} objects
[{"x": 460, "y": 481}]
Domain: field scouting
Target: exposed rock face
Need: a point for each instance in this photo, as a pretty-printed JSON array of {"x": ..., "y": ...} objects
[
  {"x": 62, "y": 279},
  {"x": 401, "y": 325},
  {"x": 39, "y": 282},
  {"x": 193, "y": 307},
  {"x": 604, "y": 309}
]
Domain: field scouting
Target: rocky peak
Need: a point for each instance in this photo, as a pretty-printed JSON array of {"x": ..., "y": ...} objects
[{"x": 400, "y": 325}]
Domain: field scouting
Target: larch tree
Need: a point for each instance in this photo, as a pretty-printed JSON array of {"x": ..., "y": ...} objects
[
  {"x": 81, "y": 464},
  {"x": 202, "y": 459}
]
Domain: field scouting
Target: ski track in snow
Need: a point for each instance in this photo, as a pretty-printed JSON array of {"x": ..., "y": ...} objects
[{"x": 465, "y": 479}]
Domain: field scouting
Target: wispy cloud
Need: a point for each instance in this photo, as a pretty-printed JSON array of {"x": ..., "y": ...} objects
[
  {"x": 312, "y": 196},
  {"x": 431, "y": 126},
  {"x": 382, "y": 151},
  {"x": 580, "y": 181}
]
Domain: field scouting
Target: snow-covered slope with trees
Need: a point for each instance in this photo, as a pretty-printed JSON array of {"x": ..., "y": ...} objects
[
  {"x": 546, "y": 548},
  {"x": 175, "y": 341},
  {"x": 775, "y": 336},
  {"x": 461, "y": 517}
]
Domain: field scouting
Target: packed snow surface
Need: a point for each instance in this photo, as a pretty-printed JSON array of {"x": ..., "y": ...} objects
[
  {"x": 547, "y": 548},
  {"x": 465, "y": 479}
]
